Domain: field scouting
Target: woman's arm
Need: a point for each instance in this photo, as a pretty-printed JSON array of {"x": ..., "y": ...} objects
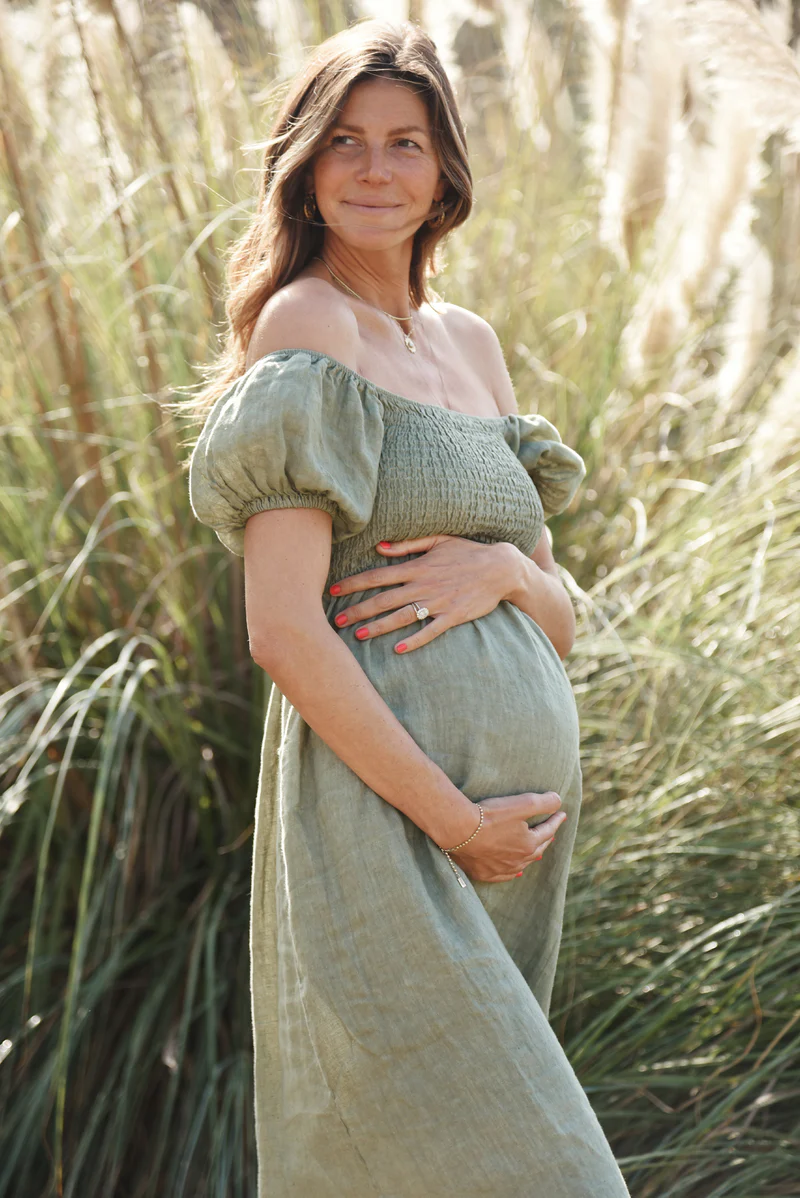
[
  {"x": 535, "y": 587},
  {"x": 287, "y": 557}
]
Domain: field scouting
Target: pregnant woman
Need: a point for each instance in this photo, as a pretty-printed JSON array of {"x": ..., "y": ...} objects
[{"x": 362, "y": 450}]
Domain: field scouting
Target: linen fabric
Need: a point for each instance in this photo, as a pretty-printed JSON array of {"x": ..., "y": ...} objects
[{"x": 402, "y": 1045}]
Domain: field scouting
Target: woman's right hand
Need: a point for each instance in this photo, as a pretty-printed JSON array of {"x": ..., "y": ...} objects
[{"x": 506, "y": 844}]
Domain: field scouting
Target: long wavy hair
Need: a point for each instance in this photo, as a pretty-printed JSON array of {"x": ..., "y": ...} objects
[{"x": 280, "y": 240}]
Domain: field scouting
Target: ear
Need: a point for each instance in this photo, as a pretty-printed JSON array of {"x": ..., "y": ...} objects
[{"x": 440, "y": 189}]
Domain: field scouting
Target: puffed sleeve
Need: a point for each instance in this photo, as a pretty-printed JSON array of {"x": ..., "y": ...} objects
[
  {"x": 556, "y": 469},
  {"x": 291, "y": 432}
]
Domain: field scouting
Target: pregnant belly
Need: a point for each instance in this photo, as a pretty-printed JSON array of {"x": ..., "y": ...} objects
[{"x": 489, "y": 701}]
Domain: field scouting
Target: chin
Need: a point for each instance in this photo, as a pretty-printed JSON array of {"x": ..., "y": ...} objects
[
  {"x": 360, "y": 223},
  {"x": 370, "y": 239}
]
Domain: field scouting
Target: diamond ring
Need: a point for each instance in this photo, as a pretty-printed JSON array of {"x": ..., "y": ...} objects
[{"x": 422, "y": 612}]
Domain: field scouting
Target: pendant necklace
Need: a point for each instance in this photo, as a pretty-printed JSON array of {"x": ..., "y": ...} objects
[{"x": 407, "y": 338}]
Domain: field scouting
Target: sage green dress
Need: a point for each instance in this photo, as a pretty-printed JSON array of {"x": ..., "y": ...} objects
[{"x": 402, "y": 1047}]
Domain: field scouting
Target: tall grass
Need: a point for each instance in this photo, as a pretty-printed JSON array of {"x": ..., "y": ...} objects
[{"x": 132, "y": 714}]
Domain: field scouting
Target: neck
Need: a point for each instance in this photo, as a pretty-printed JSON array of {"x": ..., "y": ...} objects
[{"x": 380, "y": 277}]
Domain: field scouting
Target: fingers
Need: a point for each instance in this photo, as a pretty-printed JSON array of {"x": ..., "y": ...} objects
[
  {"x": 401, "y": 618},
  {"x": 435, "y": 627},
  {"x": 381, "y": 576},
  {"x": 376, "y": 605},
  {"x": 418, "y": 545},
  {"x": 543, "y": 833},
  {"x": 540, "y": 804},
  {"x": 531, "y": 804},
  {"x": 519, "y": 873},
  {"x": 541, "y": 848}
]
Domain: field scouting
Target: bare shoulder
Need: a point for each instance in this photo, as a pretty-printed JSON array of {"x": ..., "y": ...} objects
[
  {"x": 464, "y": 319},
  {"x": 481, "y": 345},
  {"x": 306, "y": 314}
]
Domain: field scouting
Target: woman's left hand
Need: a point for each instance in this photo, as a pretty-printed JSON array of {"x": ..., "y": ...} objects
[{"x": 455, "y": 578}]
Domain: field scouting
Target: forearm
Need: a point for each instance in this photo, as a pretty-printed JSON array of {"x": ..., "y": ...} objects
[
  {"x": 543, "y": 596},
  {"x": 321, "y": 678}
]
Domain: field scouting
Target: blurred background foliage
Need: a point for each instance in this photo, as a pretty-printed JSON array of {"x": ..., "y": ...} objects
[{"x": 635, "y": 244}]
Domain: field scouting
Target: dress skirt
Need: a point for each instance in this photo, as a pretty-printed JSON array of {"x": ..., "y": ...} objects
[{"x": 402, "y": 1047}]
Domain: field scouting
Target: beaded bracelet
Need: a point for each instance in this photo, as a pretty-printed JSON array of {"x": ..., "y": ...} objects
[{"x": 447, "y": 852}]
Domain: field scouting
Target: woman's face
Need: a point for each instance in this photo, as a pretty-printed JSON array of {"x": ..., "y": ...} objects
[{"x": 377, "y": 175}]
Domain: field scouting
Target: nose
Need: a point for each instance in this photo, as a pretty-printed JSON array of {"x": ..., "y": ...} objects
[{"x": 374, "y": 165}]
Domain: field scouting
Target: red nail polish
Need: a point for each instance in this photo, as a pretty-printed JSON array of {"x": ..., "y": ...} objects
[
  {"x": 362, "y": 633},
  {"x": 341, "y": 619},
  {"x": 385, "y": 544},
  {"x": 519, "y": 875},
  {"x": 336, "y": 589},
  {"x": 401, "y": 648}
]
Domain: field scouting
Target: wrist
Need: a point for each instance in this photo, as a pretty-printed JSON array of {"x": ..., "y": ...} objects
[
  {"x": 453, "y": 825},
  {"x": 462, "y": 844},
  {"x": 512, "y": 571}
]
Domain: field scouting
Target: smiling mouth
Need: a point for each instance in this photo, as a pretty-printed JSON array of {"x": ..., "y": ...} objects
[{"x": 378, "y": 207}]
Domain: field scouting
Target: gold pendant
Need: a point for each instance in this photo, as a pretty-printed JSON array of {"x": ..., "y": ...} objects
[{"x": 409, "y": 343}]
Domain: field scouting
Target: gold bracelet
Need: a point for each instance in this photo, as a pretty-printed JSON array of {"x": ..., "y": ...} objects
[
  {"x": 455, "y": 847},
  {"x": 447, "y": 852}
]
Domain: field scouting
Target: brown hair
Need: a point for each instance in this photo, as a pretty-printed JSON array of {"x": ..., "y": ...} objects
[{"x": 280, "y": 240}]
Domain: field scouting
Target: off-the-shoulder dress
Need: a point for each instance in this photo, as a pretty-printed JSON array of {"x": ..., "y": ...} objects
[{"x": 402, "y": 1045}]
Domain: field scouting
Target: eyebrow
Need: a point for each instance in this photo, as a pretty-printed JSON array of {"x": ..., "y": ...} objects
[{"x": 402, "y": 129}]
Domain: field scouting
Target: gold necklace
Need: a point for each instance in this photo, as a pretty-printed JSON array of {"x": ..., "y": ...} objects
[{"x": 407, "y": 338}]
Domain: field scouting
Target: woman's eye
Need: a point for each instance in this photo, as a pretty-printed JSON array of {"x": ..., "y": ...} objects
[{"x": 342, "y": 137}]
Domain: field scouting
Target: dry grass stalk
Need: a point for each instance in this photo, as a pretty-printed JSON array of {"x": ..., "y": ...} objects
[
  {"x": 709, "y": 83},
  {"x": 69, "y": 349},
  {"x": 209, "y": 273},
  {"x": 136, "y": 282}
]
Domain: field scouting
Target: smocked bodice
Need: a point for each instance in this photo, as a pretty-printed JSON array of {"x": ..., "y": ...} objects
[
  {"x": 301, "y": 429},
  {"x": 444, "y": 472}
]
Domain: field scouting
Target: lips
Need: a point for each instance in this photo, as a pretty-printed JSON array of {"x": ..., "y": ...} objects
[{"x": 379, "y": 207}]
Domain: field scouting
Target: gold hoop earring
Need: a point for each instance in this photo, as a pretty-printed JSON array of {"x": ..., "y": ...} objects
[
  {"x": 310, "y": 210},
  {"x": 439, "y": 219}
]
